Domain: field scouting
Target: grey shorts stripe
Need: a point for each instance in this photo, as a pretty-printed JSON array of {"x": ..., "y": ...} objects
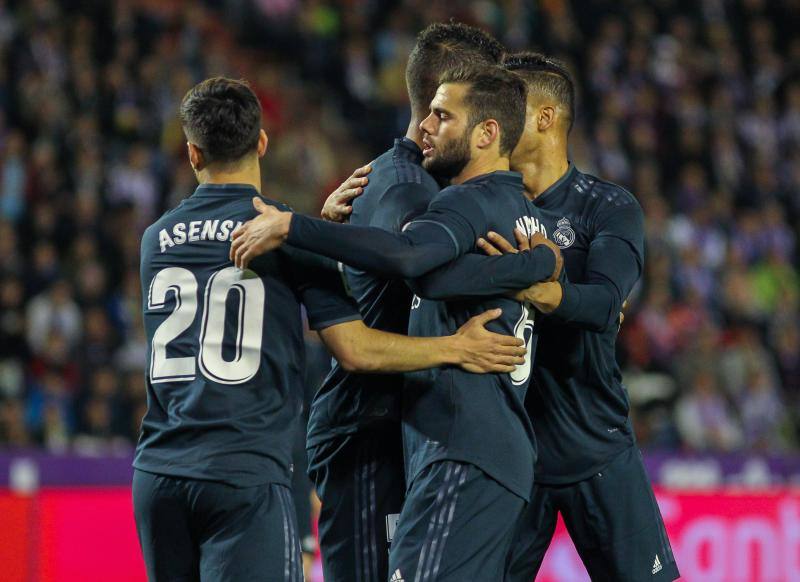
[
  {"x": 358, "y": 521},
  {"x": 287, "y": 542},
  {"x": 293, "y": 570},
  {"x": 366, "y": 499},
  {"x": 451, "y": 513},
  {"x": 373, "y": 511},
  {"x": 441, "y": 517},
  {"x": 366, "y": 546}
]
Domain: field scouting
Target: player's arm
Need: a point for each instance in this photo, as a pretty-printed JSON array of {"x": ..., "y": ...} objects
[
  {"x": 359, "y": 348},
  {"x": 475, "y": 275},
  {"x": 446, "y": 231},
  {"x": 613, "y": 265}
]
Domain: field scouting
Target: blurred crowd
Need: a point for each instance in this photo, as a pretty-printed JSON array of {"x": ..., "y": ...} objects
[{"x": 693, "y": 106}]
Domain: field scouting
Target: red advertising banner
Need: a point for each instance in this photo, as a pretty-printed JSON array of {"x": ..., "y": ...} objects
[
  {"x": 88, "y": 535},
  {"x": 716, "y": 537}
]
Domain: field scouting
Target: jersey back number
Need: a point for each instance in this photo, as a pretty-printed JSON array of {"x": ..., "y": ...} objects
[{"x": 248, "y": 325}]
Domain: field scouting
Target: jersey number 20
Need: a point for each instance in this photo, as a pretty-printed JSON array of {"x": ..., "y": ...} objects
[{"x": 249, "y": 326}]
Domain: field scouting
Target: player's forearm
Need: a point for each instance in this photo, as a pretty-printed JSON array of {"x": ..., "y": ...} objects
[
  {"x": 474, "y": 275},
  {"x": 387, "y": 353},
  {"x": 612, "y": 269},
  {"x": 593, "y": 307},
  {"x": 359, "y": 348},
  {"x": 367, "y": 248}
]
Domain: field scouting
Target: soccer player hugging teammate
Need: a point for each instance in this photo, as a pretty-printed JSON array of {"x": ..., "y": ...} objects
[
  {"x": 354, "y": 438},
  {"x": 469, "y": 446},
  {"x": 589, "y": 468},
  {"x": 225, "y": 349}
]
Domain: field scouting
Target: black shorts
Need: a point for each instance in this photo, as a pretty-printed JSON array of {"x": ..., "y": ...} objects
[
  {"x": 613, "y": 520},
  {"x": 457, "y": 524},
  {"x": 361, "y": 482},
  {"x": 191, "y": 530}
]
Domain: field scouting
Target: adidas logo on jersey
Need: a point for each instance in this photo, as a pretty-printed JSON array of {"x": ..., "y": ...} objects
[
  {"x": 397, "y": 576},
  {"x": 657, "y": 565}
]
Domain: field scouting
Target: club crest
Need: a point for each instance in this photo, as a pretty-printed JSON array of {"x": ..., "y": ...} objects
[{"x": 564, "y": 236}]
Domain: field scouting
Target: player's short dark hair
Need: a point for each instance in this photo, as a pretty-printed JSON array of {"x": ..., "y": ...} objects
[
  {"x": 442, "y": 47},
  {"x": 547, "y": 76},
  {"x": 494, "y": 93},
  {"x": 222, "y": 117}
]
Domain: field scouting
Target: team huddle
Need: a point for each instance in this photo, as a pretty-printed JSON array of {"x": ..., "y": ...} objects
[{"x": 469, "y": 284}]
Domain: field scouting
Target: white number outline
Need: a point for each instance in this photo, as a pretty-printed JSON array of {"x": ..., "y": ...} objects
[
  {"x": 183, "y": 284},
  {"x": 248, "y": 347},
  {"x": 249, "y": 331},
  {"x": 526, "y": 321}
]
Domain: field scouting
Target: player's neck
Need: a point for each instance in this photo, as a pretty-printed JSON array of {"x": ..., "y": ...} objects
[
  {"x": 543, "y": 168},
  {"x": 250, "y": 175},
  {"x": 480, "y": 166},
  {"x": 413, "y": 132}
]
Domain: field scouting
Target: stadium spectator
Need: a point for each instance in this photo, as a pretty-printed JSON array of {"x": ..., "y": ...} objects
[{"x": 695, "y": 107}]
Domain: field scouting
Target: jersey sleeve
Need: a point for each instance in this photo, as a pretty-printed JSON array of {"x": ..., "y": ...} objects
[
  {"x": 447, "y": 230},
  {"x": 614, "y": 263},
  {"x": 476, "y": 275},
  {"x": 319, "y": 285},
  {"x": 459, "y": 214}
]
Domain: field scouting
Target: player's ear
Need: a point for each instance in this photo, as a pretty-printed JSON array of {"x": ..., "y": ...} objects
[
  {"x": 547, "y": 117},
  {"x": 195, "y": 156},
  {"x": 488, "y": 133},
  {"x": 263, "y": 140}
]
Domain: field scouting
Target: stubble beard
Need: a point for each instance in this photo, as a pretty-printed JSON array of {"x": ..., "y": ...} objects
[{"x": 451, "y": 159}]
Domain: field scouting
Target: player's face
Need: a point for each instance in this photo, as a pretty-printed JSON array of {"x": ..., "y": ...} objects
[{"x": 446, "y": 133}]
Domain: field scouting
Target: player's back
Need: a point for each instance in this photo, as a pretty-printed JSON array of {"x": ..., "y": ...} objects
[
  {"x": 225, "y": 347},
  {"x": 449, "y": 413},
  {"x": 399, "y": 189}
]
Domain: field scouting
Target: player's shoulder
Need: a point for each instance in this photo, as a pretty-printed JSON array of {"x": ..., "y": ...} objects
[
  {"x": 606, "y": 193},
  {"x": 603, "y": 198},
  {"x": 467, "y": 188},
  {"x": 168, "y": 217}
]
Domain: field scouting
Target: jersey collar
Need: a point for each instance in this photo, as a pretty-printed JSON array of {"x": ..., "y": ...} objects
[
  {"x": 558, "y": 187},
  {"x": 408, "y": 149},
  {"x": 498, "y": 175},
  {"x": 216, "y": 190}
]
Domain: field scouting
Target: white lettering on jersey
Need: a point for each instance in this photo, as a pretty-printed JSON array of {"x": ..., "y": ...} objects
[
  {"x": 529, "y": 225},
  {"x": 164, "y": 239},
  {"x": 198, "y": 230}
]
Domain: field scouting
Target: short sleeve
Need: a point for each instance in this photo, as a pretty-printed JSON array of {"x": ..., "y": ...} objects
[{"x": 320, "y": 288}]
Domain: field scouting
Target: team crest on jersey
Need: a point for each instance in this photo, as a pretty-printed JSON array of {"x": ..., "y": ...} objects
[{"x": 564, "y": 236}]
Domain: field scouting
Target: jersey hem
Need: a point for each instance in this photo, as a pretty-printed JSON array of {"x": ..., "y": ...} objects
[
  {"x": 186, "y": 473},
  {"x": 570, "y": 479},
  {"x": 518, "y": 489}
]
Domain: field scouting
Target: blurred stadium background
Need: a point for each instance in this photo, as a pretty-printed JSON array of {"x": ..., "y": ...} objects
[{"x": 692, "y": 105}]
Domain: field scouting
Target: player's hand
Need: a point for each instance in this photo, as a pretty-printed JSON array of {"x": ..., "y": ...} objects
[
  {"x": 339, "y": 204},
  {"x": 545, "y": 297},
  {"x": 482, "y": 351},
  {"x": 498, "y": 245},
  {"x": 263, "y": 233}
]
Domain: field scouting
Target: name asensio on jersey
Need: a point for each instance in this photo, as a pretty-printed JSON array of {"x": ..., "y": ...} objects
[{"x": 197, "y": 230}]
